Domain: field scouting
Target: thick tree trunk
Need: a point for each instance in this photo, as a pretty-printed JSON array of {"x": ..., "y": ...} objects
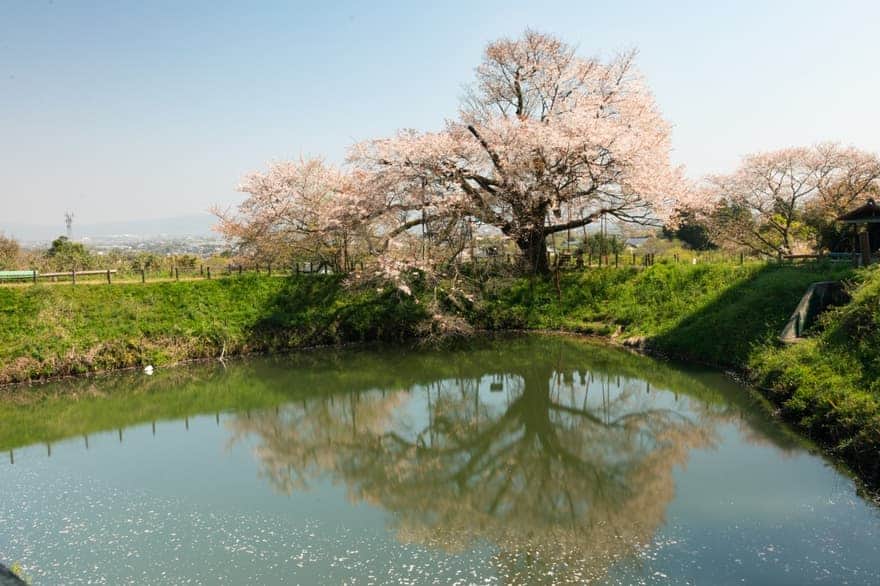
[{"x": 533, "y": 245}]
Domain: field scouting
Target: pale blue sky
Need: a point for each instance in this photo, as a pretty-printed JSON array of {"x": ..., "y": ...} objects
[{"x": 126, "y": 110}]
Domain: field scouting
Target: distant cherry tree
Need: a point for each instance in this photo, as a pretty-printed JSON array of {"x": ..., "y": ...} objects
[
  {"x": 763, "y": 205},
  {"x": 9, "y": 252}
]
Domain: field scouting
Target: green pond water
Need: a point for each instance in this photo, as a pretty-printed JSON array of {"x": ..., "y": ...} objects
[{"x": 523, "y": 460}]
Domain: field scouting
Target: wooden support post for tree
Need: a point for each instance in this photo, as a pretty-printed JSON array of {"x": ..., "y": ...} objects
[
  {"x": 297, "y": 268},
  {"x": 202, "y": 270},
  {"x": 239, "y": 270},
  {"x": 73, "y": 276},
  {"x": 108, "y": 276},
  {"x": 742, "y": 258},
  {"x": 143, "y": 276},
  {"x": 616, "y": 260},
  {"x": 208, "y": 274},
  {"x": 176, "y": 274},
  {"x": 634, "y": 259},
  {"x": 34, "y": 276},
  {"x": 269, "y": 269}
]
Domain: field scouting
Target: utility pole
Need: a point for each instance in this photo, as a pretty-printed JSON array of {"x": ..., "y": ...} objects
[{"x": 68, "y": 221}]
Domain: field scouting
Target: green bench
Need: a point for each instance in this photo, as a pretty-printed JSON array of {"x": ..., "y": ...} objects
[{"x": 17, "y": 275}]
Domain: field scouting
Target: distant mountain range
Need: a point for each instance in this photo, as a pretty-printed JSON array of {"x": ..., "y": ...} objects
[{"x": 192, "y": 225}]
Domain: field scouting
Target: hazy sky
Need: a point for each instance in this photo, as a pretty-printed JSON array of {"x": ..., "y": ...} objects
[{"x": 126, "y": 110}]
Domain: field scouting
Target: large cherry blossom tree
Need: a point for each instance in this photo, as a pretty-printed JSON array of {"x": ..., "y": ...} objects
[{"x": 546, "y": 141}]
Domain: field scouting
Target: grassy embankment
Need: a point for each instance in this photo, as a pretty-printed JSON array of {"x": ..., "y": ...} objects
[
  {"x": 48, "y": 331},
  {"x": 721, "y": 314}
]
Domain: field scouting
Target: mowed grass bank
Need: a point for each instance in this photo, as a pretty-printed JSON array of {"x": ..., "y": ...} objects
[
  {"x": 829, "y": 384},
  {"x": 49, "y": 331}
]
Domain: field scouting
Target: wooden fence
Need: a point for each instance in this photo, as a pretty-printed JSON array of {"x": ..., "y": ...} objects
[{"x": 481, "y": 266}]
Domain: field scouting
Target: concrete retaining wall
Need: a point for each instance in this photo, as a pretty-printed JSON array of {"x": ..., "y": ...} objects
[{"x": 818, "y": 298}]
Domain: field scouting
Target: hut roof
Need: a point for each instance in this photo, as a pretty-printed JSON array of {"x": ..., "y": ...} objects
[{"x": 868, "y": 213}]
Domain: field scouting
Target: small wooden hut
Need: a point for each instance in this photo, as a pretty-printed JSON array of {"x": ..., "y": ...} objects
[{"x": 866, "y": 220}]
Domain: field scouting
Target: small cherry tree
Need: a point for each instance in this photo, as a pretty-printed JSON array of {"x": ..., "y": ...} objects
[{"x": 292, "y": 210}]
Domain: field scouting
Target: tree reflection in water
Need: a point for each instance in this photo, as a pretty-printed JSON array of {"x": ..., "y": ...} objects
[{"x": 562, "y": 473}]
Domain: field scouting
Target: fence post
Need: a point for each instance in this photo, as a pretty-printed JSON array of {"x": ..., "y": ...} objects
[
  {"x": 239, "y": 270},
  {"x": 143, "y": 275},
  {"x": 73, "y": 276},
  {"x": 297, "y": 268},
  {"x": 108, "y": 276},
  {"x": 209, "y": 272},
  {"x": 176, "y": 274},
  {"x": 741, "y": 258},
  {"x": 34, "y": 276},
  {"x": 202, "y": 270}
]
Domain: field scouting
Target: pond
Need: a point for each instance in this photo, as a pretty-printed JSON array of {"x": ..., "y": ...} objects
[{"x": 516, "y": 460}]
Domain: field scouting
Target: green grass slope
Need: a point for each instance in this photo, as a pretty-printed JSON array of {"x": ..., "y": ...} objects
[
  {"x": 713, "y": 313},
  {"x": 829, "y": 384},
  {"x": 56, "y": 330}
]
